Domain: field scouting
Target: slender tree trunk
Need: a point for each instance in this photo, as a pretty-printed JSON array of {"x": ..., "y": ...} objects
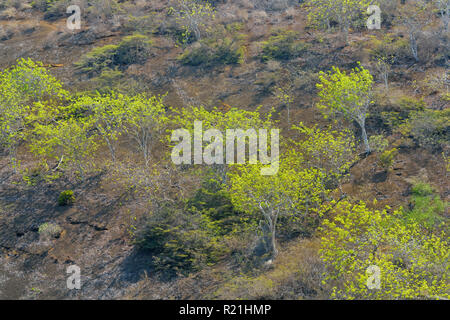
[
  {"x": 364, "y": 137},
  {"x": 111, "y": 149},
  {"x": 274, "y": 240},
  {"x": 274, "y": 245},
  {"x": 59, "y": 163},
  {"x": 146, "y": 156},
  {"x": 196, "y": 31},
  {"x": 413, "y": 44},
  {"x": 346, "y": 30}
]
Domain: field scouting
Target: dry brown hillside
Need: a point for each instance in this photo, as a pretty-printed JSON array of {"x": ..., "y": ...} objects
[{"x": 96, "y": 232}]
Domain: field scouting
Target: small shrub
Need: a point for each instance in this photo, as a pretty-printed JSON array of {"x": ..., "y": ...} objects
[
  {"x": 430, "y": 129},
  {"x": 389, "y": 46},
  {"x": 435, "y": 83},
  {"x": 49, "y": 230},
  {"x": 398, "y": 111},
  {"x": 410, "y": 103},
  {"x": 422, "y": 189},
  {"x": 52, "y": 9},
  {"x": 283, "y": 46},
  {"x": 215, "y": 203},
  {"x": 134, "y": 49},
  {"x": 386, "y": 159},
  {"x": 378, "y": 143},
  {"x": 143, "y": 24},
  {"x": 213, "y": 52},
  {"x": 66, "y": 198},
  {"x": 176, "y": 32},
  {"x": 107, "y": 79},
  {"x": 267, "y": 80},
  {"x": 185, "y": 240},
  {"x": 180, "y": 243},
  {"x": 96, "y": 60},
  {"x": 427, "y": 207},
  {"x": 197, "y": 55},
  {"x": 32, "y": 176}
]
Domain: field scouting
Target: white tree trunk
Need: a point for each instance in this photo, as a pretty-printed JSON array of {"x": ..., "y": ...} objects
[{"x": 364, "y": 138}]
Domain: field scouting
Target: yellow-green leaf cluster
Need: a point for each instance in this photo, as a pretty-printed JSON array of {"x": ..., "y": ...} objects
[{"x": 413, "y": 264}]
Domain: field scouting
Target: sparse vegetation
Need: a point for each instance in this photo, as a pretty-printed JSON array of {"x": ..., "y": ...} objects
[
  {"x": 427, "y": 207},
  {"x": 133, "y": 49},
  {"x": 429, "y": 128},
  {"x": 283, "y": 46},
  {"x": 378, "y": 143},
  {"x": 322, "y": 13},
  {"x": 185, "y": 242},
  {"x": 98, "y": 120},
  {"x": 193, "y": 16},
  {"x": 49, "y": 230},
  {"x": 387, "y": 157},
  {"x": 213, "y": 52},
  {"x": 66, "y": 198}
]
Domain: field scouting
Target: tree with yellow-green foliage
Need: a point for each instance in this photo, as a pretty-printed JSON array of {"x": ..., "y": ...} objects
[
  {"x": 144, "y": 121},
  {"x": 358, "y": 241},
  {"x": 21, "y": 85},
  {"x": 108, "y": 115},
  {"x": 300, "y": 190},
  {"x": 193, "y": 15},
  {"x": 331, "y": 151},
  {"x": 70, "y": 140},
  {"x": 348, "y": 95},
  {"x": 232, "y": 119},
  {"x": 345, "y": 12},
  {"x": 284, "y": 95},
  {"x": 293, "y": 192}
]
